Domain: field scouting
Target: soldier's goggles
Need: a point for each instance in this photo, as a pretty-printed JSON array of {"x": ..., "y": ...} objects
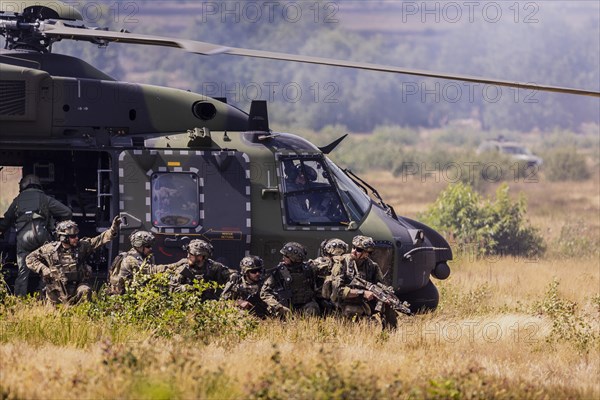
[
  {"x": 358, "y": 249},
  {"x": 255, "y": 271},
  {"x": 73, "y": 236}
]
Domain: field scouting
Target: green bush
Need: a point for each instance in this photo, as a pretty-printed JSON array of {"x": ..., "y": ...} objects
[
  {"x": 152, "y": 305},
  {"x": 565, "y": 164},
  {"x": 497, "y": 227},
  {"x": 568, "y": 323}
]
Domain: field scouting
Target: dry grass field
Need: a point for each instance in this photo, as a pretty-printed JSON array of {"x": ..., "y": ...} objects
[{"x": 505, "y": 328}]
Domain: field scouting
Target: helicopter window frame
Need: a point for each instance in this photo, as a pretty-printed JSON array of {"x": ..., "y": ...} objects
[
  {"x": 319, "y": 189},
  {"x": 175, "y": 203},
  {"x": 357, "y": 202}
]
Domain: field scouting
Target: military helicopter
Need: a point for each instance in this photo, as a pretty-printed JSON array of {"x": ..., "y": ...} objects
[{"x": 187, "y": 166}]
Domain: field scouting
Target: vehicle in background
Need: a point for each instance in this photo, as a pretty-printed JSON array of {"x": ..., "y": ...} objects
[{"x": 514, "y": 150}]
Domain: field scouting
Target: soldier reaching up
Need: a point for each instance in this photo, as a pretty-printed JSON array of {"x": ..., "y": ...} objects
[{"x": 62, "y": 263}]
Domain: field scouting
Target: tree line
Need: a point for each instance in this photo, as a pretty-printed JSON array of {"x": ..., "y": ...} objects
[{"x": 553, "y": 51}]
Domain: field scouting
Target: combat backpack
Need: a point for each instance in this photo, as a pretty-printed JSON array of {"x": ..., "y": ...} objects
[
  {"x": 115, "y": 267},
  {"x": 33, "y": 223}
]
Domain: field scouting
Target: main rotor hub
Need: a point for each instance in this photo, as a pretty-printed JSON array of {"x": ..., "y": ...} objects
[{"x": 20, "y": 24}]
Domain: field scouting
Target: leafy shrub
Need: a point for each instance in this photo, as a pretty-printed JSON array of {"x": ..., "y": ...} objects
[
  {"x": 492, "y": 226},
  {"x": 568, "y": 325},
  {"x": 150, "y": 304},
  {"x": 564, "y": 164}
]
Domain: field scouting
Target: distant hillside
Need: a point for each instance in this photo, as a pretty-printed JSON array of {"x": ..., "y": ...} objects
[{"x": 547, "y": 42}]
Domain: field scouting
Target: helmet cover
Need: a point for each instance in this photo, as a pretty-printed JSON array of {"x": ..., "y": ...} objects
[
  {"x": 294, "y": 251},
  {"x": 363, "y": 242},
  {"x": 199, "y": 247},
  {"x": 141, "y": 239}
]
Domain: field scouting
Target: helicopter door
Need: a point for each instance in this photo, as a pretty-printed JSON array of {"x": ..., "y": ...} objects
[{"x": 185, "y": 195}]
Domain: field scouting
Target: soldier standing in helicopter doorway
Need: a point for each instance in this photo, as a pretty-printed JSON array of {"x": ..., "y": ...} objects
[{"x": 33, "y": 213}]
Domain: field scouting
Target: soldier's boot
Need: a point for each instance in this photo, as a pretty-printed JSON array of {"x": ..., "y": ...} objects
[
  {"x": 310, "y": 309},
  {"x": 389, "y": 319}
]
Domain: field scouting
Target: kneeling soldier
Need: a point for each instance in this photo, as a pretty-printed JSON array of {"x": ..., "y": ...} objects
[
  {"x": 198, "y": 265},
  {"x": 351, "y": 298},
  {"x": 139, "y": 260},
  {"x": 62, "y": 263},
  {"x": 245, "y": 288},
  {"x": 291, "y": 286},
  {"x": 331, "y": 250}
]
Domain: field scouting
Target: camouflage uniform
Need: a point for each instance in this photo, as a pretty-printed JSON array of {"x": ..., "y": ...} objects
[
  {"x": 291, "y": 287},
  {"x": 210, "y": 271},
  {"x": 344, "y": 270},
  {"x": 242, "y": 289},
  {"x": 64, "y": 269},
  {"x": 134, "y": 263},
  {"x": 32, "y": 212},
  {"x": 330, "y": 250}
]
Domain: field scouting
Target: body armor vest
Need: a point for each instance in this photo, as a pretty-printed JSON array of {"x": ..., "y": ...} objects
[{"x": 302, "y": 284}]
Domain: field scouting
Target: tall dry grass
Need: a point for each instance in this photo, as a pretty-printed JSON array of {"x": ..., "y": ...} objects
[
  {"x": 505, "y": 328},
  {"x": 488, "y": 339}
]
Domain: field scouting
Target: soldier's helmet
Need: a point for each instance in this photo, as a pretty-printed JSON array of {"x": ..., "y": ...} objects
[
  {"x": 199, "y": 247},
  {"x": 249, "y": 263},
  {"x": 141, "y": 239},
  {"x": 363, "y": 242},
  {"x": 294, "y": 251},
  {"x": 335, "y": 247},
  {"x": 309, "y": 172},
  {"x": 29, "y": 180},
  {"x": 66, "y": 228}
]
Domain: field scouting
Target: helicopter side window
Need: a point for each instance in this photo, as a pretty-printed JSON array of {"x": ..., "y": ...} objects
[
  {"x": 310, "y": 197},
  {"x": 175, "y": 200}
]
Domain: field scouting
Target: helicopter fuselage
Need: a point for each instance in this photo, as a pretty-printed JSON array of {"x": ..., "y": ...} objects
[{"x": 188, "y": 166}]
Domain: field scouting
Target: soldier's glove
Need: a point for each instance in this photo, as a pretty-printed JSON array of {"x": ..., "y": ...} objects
[{"x": 116, "y": 223}]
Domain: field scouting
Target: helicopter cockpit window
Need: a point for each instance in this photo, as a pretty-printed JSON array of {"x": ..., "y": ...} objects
[
  {"x": 356, "y": 200},
  {"x": 310, "y": 196},
  {"x": 175, "y": 200}
]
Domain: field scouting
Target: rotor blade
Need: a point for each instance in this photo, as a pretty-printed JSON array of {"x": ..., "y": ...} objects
[
  {"x": 192, "y": 46},
  {"x": 59, "y": 30}
]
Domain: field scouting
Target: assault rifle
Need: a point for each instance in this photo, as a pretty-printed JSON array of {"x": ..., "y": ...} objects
[
  {"x": 384, "y": 295},
  {"x": 56, "y": 280}
]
